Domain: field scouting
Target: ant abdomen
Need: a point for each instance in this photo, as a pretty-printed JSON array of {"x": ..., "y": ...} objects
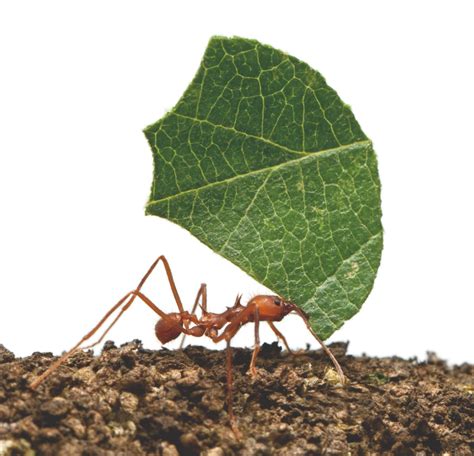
[{"x": 169, "y": 328}]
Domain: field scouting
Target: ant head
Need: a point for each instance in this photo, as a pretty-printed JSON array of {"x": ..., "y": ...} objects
[
  {"x": 286, "y": 306},
  {"x": 272, "y": 307},
  {"x": 291, "y": 306}
]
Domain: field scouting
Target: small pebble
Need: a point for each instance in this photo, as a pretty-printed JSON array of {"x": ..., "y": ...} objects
[
  {"x": 56, "y": 407},
  {"x": 190, "y": 442},
  {"x": 6, "y": 356},
  {"x": 86, "y": 375},
  {"x": 217, "y": 451},
  {"x": 49, "y": 434},
  {"x": 13, "y": 447},
  {"x": 212, "y": 402},
  {"x": 78, "y": 429},
  {"x": 332, "y": 377},
  {"x": 173, "y": 374},
  {"x": 169, "y": 450},
  {"x": 131, "y": 426},
  {"x": 190, "y": 378},
  {"x": 4, "y": 412},
  {"x": 27, "y": 426},
  {"x": 128, "y": 402}
]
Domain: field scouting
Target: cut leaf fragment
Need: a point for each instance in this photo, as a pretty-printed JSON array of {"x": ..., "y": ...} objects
[{"x": 263, "y": 162}]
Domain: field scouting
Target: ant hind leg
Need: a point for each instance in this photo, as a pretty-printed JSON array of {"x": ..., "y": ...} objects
[
  {"x": 136, "y": 293},
  {"x": 132, "y": 295}
]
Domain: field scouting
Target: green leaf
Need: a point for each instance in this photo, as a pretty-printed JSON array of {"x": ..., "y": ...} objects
[{"x": 263, "y": 162}]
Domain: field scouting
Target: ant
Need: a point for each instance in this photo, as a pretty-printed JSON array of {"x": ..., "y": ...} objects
[{"x": 260, "y": 308}]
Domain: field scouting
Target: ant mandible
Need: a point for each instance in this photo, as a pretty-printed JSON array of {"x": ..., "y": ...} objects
[{"x": 170, "y": 325}]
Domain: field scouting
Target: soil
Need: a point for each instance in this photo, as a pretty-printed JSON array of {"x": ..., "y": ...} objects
[{"x": 133, "y": 401}]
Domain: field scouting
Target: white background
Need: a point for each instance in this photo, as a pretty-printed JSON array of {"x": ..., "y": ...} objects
[{"x": 80, "y": 80}]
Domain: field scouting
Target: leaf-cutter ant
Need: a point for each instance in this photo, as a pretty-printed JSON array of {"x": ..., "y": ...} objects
[{"x": 217, "y": 326}]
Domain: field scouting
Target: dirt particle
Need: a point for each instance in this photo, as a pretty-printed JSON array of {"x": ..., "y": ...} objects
[
  {"x": 72, "y": 448},
  {"x": 169, "y": 450},
  {"x": 131, "y": 427},
  {"x": 56, "y": 407},
  {"x": 190, "y": 443},
  {"x": 335, "y": 441},
  {"x": 98, "y": 434},
  {"x": 4, "y": 412},
  {"x": 128, "y": 402},
  {"x": 85, "y": 375},
  {"x": 212, "y": 401},
  {"x": 173, "y": 374},
  {"x": 110, "y": 396},
  {"x": 216, "y": 451},
  {"x": 15, "y": 447},
  {"x": 26, "y": 427},
  {"x": 76, "y": 426},
  {"x": 282, "y": 434},
  {"x": 135, "y": 381},
  {"x": 331, "y": 377},
  {"x": 6, "y": 356},
  {"x": 49, "y": 434},
  {"x": 189, "y": 378}
]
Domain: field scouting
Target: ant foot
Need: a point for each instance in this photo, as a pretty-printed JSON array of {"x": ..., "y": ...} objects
[
  {"x": 236, "y": 430},
  {"x": 252, "y": 372}
]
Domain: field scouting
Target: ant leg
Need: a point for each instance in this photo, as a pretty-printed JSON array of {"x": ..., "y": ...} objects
[
  {"x": 256, "y": 347},
  {"x": 280, "y": 336},
  {"x": 285, "y": 343},
  {"x": 202, "y": 292},
  {"x": 230, "y": 410},
  {"x": 169, "y": 275},
  {"x": 171, "y": 282},
  {"x": 234, "y": 325},
  {"x": 76, "y": 347},
  {"x": 323, "y": 346},
  {"x": 203, "y": 305},
  {"x": 134, "y": 294}
]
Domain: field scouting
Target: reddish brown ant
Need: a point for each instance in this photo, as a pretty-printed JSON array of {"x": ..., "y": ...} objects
[{"x": 170, "y": 325}]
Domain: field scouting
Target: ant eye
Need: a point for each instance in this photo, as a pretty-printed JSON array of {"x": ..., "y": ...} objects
[{"x": 277, "y": 301}]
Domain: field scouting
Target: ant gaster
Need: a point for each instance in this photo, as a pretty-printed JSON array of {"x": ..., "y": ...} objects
[{"x": 217, "y": 326}]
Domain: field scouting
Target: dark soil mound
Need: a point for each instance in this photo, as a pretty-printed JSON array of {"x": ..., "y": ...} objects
[{"x": 132, "y": 401}]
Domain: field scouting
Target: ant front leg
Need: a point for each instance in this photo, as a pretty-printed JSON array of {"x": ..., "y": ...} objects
[
  {"x": 280, "y": 336},
  {"x": 243, "y": 317},
  {"x": 256, "y": 347},
  {"x": 230, "y": 410}
]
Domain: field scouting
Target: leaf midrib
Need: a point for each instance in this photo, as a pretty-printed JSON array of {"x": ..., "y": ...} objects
[
  {"x": 306, "y": 156},
  {"x": 247, "y": 135}
]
